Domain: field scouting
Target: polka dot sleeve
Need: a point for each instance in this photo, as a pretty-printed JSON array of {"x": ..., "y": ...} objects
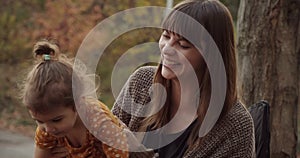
[{"x": 106, "y": 127}]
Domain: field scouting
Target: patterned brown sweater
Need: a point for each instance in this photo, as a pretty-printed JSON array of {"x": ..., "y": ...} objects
[{"x": 232, "y": 137}]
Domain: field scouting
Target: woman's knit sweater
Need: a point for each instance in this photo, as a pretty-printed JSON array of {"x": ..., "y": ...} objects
[{"x": 231, "y": 137}]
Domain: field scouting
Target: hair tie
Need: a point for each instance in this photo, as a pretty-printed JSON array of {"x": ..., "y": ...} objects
[{"x": 47, "y": 57}]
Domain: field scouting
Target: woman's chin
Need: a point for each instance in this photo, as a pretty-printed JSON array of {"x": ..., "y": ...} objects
[{"x": 167, "y": 73}]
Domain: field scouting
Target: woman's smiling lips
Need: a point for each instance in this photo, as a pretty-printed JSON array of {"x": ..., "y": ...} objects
[{"x": 170, "y": 63}]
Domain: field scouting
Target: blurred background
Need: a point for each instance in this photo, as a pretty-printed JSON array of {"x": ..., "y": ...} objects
[{"x": 24, "y": 22}]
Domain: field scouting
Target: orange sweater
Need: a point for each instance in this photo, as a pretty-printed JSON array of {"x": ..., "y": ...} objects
[{"x": 103, "y": 124}]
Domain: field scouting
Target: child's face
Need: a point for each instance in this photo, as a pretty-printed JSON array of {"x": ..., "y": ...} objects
[{"x": 57, "y": 121}]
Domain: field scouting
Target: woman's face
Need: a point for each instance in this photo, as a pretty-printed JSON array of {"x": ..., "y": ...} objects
[
  {"x": 178, "y": 56},
  {"x": 57, "y": 121}
]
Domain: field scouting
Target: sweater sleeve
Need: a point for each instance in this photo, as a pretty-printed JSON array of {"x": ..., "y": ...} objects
[
  {"x": 242, "y": 137},
  {"x": 107, "y": 128},
  {"x": 135, "y": 92},
  {"x": 133, "y": 97},
  {"x": 233, "y": 137},
  {"x": 119, "y": 105}
]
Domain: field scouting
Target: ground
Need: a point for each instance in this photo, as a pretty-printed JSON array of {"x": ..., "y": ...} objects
[{"x": 13, "y": 145}]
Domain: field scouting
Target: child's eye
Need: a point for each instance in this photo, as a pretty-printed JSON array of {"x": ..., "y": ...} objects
[
  {"x": 38, "y": 122},
  {"x": 57, "y": 120}
]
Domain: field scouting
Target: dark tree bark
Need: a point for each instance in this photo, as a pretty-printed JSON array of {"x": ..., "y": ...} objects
[{"x": 268, "y": 60}]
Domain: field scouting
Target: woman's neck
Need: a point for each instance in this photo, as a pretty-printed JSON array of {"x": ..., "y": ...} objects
[
  {"x": 183, "y": 106},
  {"x": 183, "y": 94}
]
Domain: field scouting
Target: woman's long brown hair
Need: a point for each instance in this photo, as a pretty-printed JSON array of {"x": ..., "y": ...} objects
[{"x": 217, "y": 20}]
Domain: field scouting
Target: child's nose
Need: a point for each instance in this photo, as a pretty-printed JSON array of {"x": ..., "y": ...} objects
[{"x": 50, "y": 129}]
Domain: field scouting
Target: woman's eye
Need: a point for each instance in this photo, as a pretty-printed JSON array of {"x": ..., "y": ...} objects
[
  {"x": 166, "y": 36},
  {"x": 184, "y": 45}
]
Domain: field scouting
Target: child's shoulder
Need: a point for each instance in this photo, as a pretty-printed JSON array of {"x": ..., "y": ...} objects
[
  {"x": 98, "y": 112},
  {"x": 95, "y": 104}
]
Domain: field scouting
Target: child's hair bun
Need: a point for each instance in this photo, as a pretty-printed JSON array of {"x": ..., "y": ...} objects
[{"x": 46, "y": 50}]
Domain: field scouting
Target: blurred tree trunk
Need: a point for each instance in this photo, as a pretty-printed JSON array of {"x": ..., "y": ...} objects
[{"x": 268, "y": 61}]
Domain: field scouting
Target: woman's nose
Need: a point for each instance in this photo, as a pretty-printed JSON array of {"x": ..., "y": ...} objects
[{"x": 168, "y": 49}]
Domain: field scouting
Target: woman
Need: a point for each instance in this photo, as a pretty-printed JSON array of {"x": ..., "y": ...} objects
[{"x": 182, "y": 59}]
